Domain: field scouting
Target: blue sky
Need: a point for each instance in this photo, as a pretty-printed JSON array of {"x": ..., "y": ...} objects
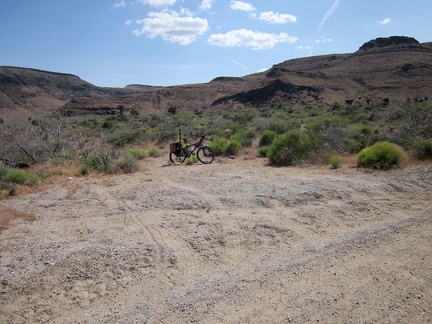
[{"x": 173, "y": 42}]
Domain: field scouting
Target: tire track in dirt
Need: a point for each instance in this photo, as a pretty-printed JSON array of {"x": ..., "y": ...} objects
[{"x": 172, "y": 252}]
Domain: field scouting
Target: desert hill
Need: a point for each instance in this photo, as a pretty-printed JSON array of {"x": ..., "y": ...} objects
[{"x": 398, "y": 68}]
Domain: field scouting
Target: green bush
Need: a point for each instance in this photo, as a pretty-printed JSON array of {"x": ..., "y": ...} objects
[
  {"x": 121, "y": 137},
  {"x": 289, "y": 148},
  {"x": 263, "y": 151},
  {"x": 125, "y": 163},
  {"x": 191, "y": 160},
  {"x": 382, "y": 155},
  {"x": 138, "y": 153},
  {"x": 99, "y": 162},
  {"x": 335, "y": 162},
  {"x": 153, "y": 151},
  {"x": 232, "y": 147},
  {"x": 223, "y": 146},
  {"x": 267, "y": 137},
  {"x": 218, "y": 144},
  {"x": 20, "y": 177},
  {"x": 111, "y": 163},
  {"x": 423, "y": 149},
  {"x": 245, "y": 137},
  {"x": 83, "y": 169}
]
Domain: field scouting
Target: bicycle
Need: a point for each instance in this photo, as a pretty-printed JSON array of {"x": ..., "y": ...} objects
[{"x": 179, "y": 152}]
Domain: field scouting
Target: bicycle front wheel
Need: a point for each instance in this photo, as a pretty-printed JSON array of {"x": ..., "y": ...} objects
[
  {"x": 177, "y": 158},
  {"x": 205, "y": 155}
]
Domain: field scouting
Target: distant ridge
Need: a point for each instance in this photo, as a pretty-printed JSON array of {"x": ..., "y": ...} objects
[
  {"x": 396, "y": 68},
  {"x": 17, "y": 68}
]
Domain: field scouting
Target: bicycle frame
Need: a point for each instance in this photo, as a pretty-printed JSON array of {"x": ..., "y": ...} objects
[{"x": 195, "y": 146}]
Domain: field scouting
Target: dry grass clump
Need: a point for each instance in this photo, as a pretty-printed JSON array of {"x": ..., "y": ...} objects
[
  {"x": 9, "y": 215},
  {"x": 68, "y": 170}
]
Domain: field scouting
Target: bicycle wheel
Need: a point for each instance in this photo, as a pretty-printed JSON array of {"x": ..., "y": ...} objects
[
  {"x": 179, "y": 157},
  {"x": 205, "y": 155}
]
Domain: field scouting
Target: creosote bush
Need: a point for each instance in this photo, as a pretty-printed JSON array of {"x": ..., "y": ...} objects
[
  {"x": 218, "y": 144},
  {"x": 289, "y": 148},
  {"x": 121, "y": 137},
  {"x": 223, "y": 146},
  {"x": 111, "y": 162},
  {"x": 153, "y": 151},
  {"x": 138, "y": 153},
  {"x": 267, "y": 137},
  {"x": 423, "y": 149},
  {"x": 381, "y": 155},
  {"x": 335, "y": 162},
  {"x": 263, "y": 150}
]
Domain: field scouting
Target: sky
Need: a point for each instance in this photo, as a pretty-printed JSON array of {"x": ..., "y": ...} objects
[{"x": 113, "y": 43}]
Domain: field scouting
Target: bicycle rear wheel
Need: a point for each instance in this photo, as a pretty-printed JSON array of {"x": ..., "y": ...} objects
[
  {"x": 177, "y": 158},
  {"x": 205, "y": 155}
]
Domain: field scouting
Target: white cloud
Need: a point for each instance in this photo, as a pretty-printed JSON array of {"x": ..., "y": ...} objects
[
  {"x": 120, "y": 4},
  {"x": 277, "y": 18},
  {"x": 249, "y": 38},
  {"x": 323, "y": 40},
  {"x": 158, "y": 3},
  {"x": 129, "y": 22},
  {"x": 172, "y": 27},
  {"x": 206, "y": 4},
  {"x": 329, "y": 13},
  {"x": 386, "y": 21},
  {"x": 244, "y": 6}
]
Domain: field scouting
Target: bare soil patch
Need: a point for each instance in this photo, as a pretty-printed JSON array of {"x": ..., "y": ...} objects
[{"x": 231, "y": 242}]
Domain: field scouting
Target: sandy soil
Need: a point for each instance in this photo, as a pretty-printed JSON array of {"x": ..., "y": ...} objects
[{"x": 231, "y": 242}]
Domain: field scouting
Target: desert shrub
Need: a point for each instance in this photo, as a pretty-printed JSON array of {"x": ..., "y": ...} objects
[
  {"x": 121, "y": 137},
  {"x": 276, "y": 124},
  {"x": 232, "y": 147},
  {"x": 123, "y": 162},
  {"x": 245, "y": 137},
  {"x": 289, "y": 148},
  {"x": 138, "y": 153},
  {"x": 382, "y": 155},
  {"x": 166, "y": 133},
  {"x": 263, "y": 150},
  {"x": 218, "y": 144},
  {"x": 267, "y": 137},
  {"x": 334, "y": 161},
  {"x": 223, "y": 146},
  {"x": 101, "y": 162},
  {"x": 83, "y": 169},
  {"x": 3, "y": 170},
  {"x": 21, "y": 177},
  {"x": 423, "y": 149},
  {"x": 153, "y": 151},
  {"x": 191, "y": 160}
]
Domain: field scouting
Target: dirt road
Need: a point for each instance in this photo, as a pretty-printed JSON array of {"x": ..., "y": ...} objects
[{"x": 231, "y": 242}]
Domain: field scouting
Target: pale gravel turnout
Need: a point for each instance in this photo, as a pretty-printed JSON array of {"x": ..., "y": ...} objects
[{"x": 236, "y": 241}]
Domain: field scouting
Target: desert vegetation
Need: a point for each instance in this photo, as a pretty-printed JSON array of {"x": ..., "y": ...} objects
[{"x": 286, "y": 135}]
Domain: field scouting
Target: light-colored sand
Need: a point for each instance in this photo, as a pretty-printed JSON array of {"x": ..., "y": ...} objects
[{"x": 236, "y": 241}]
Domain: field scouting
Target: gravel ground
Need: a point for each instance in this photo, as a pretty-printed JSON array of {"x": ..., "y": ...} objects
[{"x": 236, "y": 241}]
